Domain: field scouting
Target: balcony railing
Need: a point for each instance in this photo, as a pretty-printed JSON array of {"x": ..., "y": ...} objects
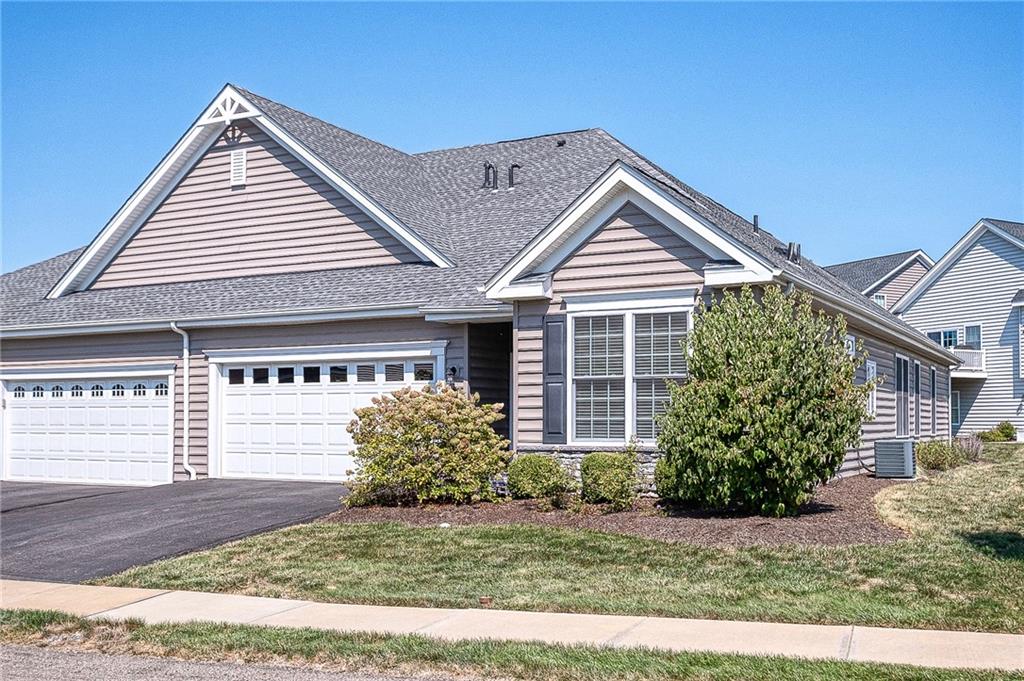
[{"x": 971, "y": 360}]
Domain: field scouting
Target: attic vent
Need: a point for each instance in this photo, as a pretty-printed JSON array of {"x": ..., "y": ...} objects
[
  {"x": 793, "y": 252},
  {"x": 238, "y": 167},
  {"x": 490, "y": 176}
]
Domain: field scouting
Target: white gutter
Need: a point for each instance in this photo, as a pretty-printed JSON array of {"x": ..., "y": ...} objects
[{"x": 185, "y": 355}]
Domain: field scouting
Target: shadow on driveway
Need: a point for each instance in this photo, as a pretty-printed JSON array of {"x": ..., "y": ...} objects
[{"x": 72, "y": 533}]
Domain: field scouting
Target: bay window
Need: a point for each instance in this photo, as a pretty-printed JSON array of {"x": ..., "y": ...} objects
[{"x": 620, "y": 365}]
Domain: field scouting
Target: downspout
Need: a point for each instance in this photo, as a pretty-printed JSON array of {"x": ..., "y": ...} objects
[{"x": 185, "y": 353}]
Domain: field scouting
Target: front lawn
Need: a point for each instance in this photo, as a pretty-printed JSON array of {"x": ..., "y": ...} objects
[
  {"x": 962, "y": 568},
  {"x": 415, "y": 655}
]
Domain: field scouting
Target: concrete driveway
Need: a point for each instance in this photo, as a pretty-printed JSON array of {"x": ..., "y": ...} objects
[{"x": 72, "y": 533}]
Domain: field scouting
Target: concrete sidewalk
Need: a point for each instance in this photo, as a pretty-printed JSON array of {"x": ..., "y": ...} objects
[{"x": 948, "y": 649}]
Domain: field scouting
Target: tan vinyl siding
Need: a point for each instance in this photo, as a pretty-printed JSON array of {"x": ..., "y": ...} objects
[
  {"x": 630, "y": 251},
  {"x": 897, "y": 285},
  {"x": 979, "y": 289},
  {"x": 284, "y": 219},
  {"x": 145, "y": 348},
  {"x": 528, "y": 364}
]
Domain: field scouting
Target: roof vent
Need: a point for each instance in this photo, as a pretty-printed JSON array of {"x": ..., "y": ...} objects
[
  {"x": 490, "y": 176},
  {"x": 793, "y": 252},
  {"x": 560, "y": 143},
  {"x": 512, "y": 174},
  {"x": 756, "y": 226}
]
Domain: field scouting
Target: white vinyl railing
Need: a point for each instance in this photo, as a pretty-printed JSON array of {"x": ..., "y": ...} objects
[{"x": 972, "y": 360}]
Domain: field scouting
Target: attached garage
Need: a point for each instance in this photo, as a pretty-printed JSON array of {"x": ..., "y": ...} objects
[
  {"x": 284, "y": 414},
  {"x": 87, "y": 427}
]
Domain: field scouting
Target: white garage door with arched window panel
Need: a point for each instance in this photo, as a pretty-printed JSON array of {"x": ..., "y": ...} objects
[
  {"x": 284, "y": 414},
  {"x": 84, "y": 427}
]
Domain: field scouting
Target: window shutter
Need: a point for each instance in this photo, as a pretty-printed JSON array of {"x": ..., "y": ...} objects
[
  {"x": 554, "y": 396},
  {"x": 238, "y": 168}
]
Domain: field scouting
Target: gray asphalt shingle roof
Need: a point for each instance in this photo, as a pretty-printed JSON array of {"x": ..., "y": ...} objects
[
  {"x": 1015, "y": 229},
  {"x": 863, "y": 273},
  {"x": 439, "y": 195}
]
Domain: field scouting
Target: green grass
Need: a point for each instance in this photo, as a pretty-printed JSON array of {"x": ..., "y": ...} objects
[
  {"x": 962, "y": 569},
  {"x": 414, "y": 654}
]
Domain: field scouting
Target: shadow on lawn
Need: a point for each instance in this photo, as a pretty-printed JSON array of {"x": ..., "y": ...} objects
[
  {"x": 683, "y": 511},
  {"x": 1000, "y": 545}
]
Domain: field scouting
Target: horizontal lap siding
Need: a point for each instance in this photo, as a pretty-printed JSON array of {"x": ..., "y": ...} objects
[
  {"x": 901, "y": 282},
  {"x": 528, "y": 361},
  {"x": 979, "y": 289},
  {"x": 285, "y": 219}
]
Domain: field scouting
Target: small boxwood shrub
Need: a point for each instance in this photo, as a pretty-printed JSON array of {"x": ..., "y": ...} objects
[
  {"x": 1004, "y": 432},
  {"x": 609, "y": 478},
  {"x": 429, "y": 445},
  {"x": 539, "y": 476},
  {"x": 939, "y": 455}
]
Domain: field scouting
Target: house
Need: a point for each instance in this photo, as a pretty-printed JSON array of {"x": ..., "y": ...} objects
[
  {"x": 275, "y": 272},
  {"x": 970, "y": 303},
  {"x": 884, "y": 278}
]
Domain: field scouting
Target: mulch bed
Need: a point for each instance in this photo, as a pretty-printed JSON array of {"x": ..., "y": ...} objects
[{"x": 841, "y": 513}]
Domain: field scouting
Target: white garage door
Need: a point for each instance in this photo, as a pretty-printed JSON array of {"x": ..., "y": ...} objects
[
  {"x": 91, "y": 431},
  {"x": 289, "y": 421}
]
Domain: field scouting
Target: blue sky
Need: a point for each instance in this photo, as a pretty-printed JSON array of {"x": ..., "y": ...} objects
[{"x": 856, "y": 129}]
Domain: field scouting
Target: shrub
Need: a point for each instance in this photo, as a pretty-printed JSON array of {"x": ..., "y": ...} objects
[
  {"x": 538, "y": 476},
  {"x": 609, "y": 478},
  {"x": 769, "y": 408},
  {"x": 1004, "y": 432},
  {"x": 971, "y": 445},
  {"x": 939, "y": 455},
  {"x": 665, "y": 483},
  {"x": 429, "y": 445}
]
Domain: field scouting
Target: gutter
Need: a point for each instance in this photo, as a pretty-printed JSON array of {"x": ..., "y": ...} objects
[
  {"x": 922, "y": 343},
  {"x": 186, "y": 353}
]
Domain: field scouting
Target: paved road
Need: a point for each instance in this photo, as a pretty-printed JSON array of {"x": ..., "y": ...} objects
[
  {"x": 71, "y": 533},
  {"x": 23, "y": 663}
]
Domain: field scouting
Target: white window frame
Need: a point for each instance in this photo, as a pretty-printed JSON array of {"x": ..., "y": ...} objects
[
  {"x": 880, "y": 299},
  {"x": 954, "y": 396},
  {"x": 896, "y": 394},
  {"x": 627, "y": 309},
  {"x": 871, "y": 374},
  {"x": 981, "y": 334}
]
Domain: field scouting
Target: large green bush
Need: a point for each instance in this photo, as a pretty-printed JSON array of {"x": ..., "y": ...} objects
[
  {"x": 939, "y": 455},
  {"x": 769, "y": 408},
  {"x": 1004, "y": 432},
  {"x": 538, "y": 476},
  {"x": 429, "y": 445},
  {"x": 610, "y": 478}
]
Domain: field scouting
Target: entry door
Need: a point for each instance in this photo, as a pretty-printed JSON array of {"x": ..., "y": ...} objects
[
  {"x": 113, "y": 430},
  {"x": 289, "y": 421}
]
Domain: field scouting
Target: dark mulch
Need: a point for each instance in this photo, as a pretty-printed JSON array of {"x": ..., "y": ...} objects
[{"x": 841, "y": 513}]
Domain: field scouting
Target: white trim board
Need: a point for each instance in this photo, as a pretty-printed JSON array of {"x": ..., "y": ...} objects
[
  {"x": 327, "y": 353},
  {"x": 227, "y": 106},
  {"x": 949, "y": 259},
  {"x": 618, "y": 185}
]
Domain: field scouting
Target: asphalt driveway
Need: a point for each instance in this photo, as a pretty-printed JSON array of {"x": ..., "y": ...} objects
[{"x": 72, "y": 533}]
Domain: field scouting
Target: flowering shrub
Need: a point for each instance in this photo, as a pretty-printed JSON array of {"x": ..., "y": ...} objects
[
  {"x": 429, "y": 445},
  {"x": 768, "y": 410}
]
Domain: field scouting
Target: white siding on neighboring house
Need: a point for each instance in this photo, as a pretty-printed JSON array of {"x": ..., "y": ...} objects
[{"x": 979, "y": 289}]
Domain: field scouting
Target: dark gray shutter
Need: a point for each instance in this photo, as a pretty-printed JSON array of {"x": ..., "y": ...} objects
[{"x": 555, "y": 388}]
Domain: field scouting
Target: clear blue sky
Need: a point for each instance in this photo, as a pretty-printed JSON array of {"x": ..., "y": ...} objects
[{"x": 856, "y": 129}]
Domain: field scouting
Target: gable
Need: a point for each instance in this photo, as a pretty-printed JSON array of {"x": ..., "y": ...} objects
[
  {"x": 631, "y": 250},
  {"x": 285, "y": 218},
  {"x": 899, "y": 282}
]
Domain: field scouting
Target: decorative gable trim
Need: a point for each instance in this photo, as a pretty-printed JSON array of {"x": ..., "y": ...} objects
[
  {"x": 525, "y": 274},
  {"x": 226, "y": 108},
  {"x": 951, "y": 257},
  {"x": 917, "y": 255}
]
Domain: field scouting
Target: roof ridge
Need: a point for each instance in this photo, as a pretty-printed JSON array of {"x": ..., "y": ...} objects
[
  {"x": 876, "y": 257},
  {"x": 508, "y": 141},
  {"x": 321, "y": 120}
]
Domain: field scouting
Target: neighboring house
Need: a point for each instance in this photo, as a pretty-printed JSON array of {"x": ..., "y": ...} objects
[
  {"x": 971, "y": 303},
  {"x": 886, "y": 278},
  {"x": 275, "y": 272}
]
